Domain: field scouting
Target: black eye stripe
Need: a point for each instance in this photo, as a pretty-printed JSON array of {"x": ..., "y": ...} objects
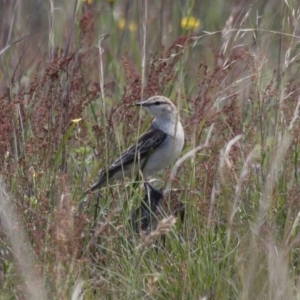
[{"x": 156, "y": 103}]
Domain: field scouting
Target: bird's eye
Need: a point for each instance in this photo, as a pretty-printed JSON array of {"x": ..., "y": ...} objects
[{"x": 157, "y": 103}]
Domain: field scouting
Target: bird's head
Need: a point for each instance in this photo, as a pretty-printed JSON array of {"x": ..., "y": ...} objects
[{"x": 160, "y": 107}]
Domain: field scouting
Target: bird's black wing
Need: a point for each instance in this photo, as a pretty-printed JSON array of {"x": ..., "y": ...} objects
[{"x": 148, "y": 142}]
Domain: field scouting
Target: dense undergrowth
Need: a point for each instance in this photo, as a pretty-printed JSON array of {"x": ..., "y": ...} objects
[{"x": 69, "y": 77}]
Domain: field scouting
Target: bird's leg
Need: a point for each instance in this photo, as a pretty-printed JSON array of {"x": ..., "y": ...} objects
[{"x": 96, "y": 208}]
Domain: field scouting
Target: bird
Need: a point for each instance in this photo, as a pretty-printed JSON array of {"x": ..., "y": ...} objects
[
  {"x": 145, "y": 215},
  {"x": 154, "y": 150}
]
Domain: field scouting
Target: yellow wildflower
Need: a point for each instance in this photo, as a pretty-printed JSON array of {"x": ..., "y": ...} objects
[
  {"x": 132, "y": 26},
  {"x": 111, "y": 3},
  {"x": 190, "y": 23},
  {"x": 121, "y": 23},
  {"x": 76, "y": 120}
]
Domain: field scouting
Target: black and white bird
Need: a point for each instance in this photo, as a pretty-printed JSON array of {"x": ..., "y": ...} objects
[{"x": 154, "y": 150}]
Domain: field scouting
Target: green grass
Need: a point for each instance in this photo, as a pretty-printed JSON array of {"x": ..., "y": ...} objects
[{"x": 236, "y": 81}]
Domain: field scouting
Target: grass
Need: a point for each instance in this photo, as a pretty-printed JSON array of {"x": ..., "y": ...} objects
[{"x": 69, "y": 76}]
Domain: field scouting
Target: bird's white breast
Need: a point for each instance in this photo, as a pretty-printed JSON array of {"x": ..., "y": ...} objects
[{"x": 168, "y": 152}]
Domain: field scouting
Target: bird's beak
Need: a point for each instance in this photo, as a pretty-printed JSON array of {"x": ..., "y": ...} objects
[
  {"x": 143, "y": 103},
  {"x": 139, "y": 103}
]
